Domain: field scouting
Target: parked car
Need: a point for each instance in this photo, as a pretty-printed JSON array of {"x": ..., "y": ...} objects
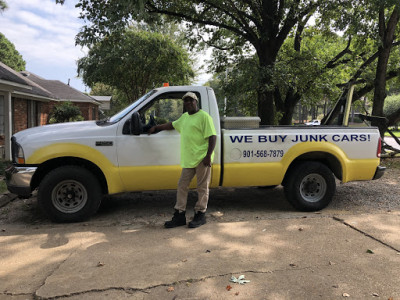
[{"x": 314, "y": 122}]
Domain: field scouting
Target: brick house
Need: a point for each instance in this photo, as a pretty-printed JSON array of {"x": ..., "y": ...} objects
[
  {"x": 62, "y": 92},
  {"x": 26, "y": 100}
]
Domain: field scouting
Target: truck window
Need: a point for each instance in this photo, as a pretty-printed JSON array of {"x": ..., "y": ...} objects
[{"x": 166, "y": 108}]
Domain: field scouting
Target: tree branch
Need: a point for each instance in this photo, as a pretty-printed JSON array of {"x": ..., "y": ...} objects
[
  {"x": 299, "y": 32},
  {"x": 210, "y": 44},
  {"x": 391, "y": 26},
  {"x": 203, "y": 21},
  {"x": 242, "y": 13},
  {"x": 291, "y": 20},
  {"x": 331, "y": 64}
]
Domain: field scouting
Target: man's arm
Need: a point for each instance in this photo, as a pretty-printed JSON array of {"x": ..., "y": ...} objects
[
  {"x": 211, "y": 145},
  {"x": 161, "y": 127}
]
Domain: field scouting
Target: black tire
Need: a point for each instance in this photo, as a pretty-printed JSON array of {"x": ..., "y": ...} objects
[
  {"x": 69, "y": 194},
  {"x": 310, "y": 186}
]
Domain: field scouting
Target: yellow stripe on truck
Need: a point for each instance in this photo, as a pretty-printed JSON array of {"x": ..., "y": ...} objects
[
  {"x": 145, "y": 178},
  {"x": 272, "y": 173},
  {"x": 120, "y": 179},
  {"x": 360, "y": 169},
  {"x": 60, "y": 150},
  {"x": 252, "y": 174},
  {"x": 352, "y": 169}
]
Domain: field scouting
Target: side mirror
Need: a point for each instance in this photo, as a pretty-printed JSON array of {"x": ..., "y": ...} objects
[{"x": 136, "y": 124}]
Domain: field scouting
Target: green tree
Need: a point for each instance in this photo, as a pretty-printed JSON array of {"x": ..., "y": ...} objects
[
  {"x": 388, "y": 20},
  {"x": 118, "y": 99},
  {"x": 235, "y": 89},
  {"x": 392, "y": 104},
  {"x": 374, "y": 26},
  {"x": 307, "y": 71},
  {"x": 229, "y": 26},
  {"x": 65, "y": 112},
  {"x": 3, "y": 5},
  {"x": 136, "y": 61},
  {"x": 9, "y": 55},
  {"x": 101, "y": 89},
  {"x": 237, "y": 27}
]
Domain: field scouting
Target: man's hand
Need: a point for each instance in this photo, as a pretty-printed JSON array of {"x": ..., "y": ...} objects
[
  {"x": 207, "y": 161},
  {"x": 161, "y": 127},
  {"x": 211, "y": 145}
]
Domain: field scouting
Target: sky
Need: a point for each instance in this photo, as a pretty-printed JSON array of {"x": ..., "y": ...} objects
[{"x": 43, "y": 32}]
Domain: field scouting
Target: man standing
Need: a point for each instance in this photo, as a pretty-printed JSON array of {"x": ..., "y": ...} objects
[{"x": 198, "y": 138}]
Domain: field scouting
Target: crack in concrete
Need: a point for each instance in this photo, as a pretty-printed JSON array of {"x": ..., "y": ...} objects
[
  {"x": 16, "y": 294},
  {"x": 35, "y": 296},
  {"x": 147, "y": 290},
  {"x": 127, "y": 290},
  {"x": 366, "y": 234}
]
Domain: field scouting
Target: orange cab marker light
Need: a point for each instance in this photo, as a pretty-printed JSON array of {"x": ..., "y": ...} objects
[
  {"x": 166, "y": 84},
  {"x": 21, "y": 160}
]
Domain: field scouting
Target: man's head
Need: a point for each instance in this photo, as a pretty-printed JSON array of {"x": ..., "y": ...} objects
[{"x": 190, "y": 102}]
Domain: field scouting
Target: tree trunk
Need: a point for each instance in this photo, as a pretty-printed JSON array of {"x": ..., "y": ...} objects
[
  {"x": 291, "y": 101},
  {"x": 266, "y": 109},
  {"x": 386, "y": 34}
]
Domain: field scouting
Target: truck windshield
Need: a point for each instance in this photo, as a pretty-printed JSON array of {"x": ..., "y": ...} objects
[{"x": 118, "y": 116}]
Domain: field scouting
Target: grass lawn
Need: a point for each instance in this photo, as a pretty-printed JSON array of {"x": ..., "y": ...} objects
[
  {"x": 3, "y": 186},
  {"x": 396, "y": 133},
  {"x": 391, "y": 163}
]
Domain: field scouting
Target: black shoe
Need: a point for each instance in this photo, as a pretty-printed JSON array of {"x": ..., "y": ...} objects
[
  {"x": 179, "y": 219},
  {"x": 198, "y": 220}
]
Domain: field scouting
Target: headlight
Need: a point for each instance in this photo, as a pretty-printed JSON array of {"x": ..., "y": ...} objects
[{"x": 18, "y": 156}]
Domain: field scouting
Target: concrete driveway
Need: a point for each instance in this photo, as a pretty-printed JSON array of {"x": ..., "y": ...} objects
[
  {"x": 392, "y": 142},
  {"x": 289, "y": 255},
  {"x": 348, "y": 250}
]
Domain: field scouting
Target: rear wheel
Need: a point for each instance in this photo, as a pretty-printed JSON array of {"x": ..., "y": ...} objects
[
  {"x": 69, "y": 194},
  {"x": 310, "y": 186}
]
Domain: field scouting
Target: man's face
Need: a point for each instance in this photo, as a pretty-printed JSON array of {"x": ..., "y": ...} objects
[{"x": 190, "y": 105}]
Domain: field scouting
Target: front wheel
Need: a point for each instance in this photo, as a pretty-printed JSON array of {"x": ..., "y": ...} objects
[
  {"x": 69, "y": 194},
  {"x": 310, "y": 186}
]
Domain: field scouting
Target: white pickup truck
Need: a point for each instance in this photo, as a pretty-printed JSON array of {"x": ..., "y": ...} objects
[{"x": 73, "y": 164}]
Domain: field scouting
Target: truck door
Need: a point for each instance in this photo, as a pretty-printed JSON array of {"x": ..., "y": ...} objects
[{"x": 152, "y": 162}]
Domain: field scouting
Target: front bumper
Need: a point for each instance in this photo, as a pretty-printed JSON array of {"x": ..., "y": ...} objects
[
  {"x": 18, "y": 179},
  {"x": 379, "y": 172}
]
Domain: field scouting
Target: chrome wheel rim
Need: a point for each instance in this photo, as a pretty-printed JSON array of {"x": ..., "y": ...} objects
[
  {"x": 69, "y": 196},
  {"x": 313, "y": 188}
]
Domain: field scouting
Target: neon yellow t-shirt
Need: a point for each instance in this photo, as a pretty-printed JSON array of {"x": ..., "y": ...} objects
[{"x": 195, "y": 130}]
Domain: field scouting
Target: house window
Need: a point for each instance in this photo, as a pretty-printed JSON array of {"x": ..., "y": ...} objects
[
  {"x": 2, "y": 115},
  {"x": 33, "y": 113},
  {"x": 93, "y": 113}
]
